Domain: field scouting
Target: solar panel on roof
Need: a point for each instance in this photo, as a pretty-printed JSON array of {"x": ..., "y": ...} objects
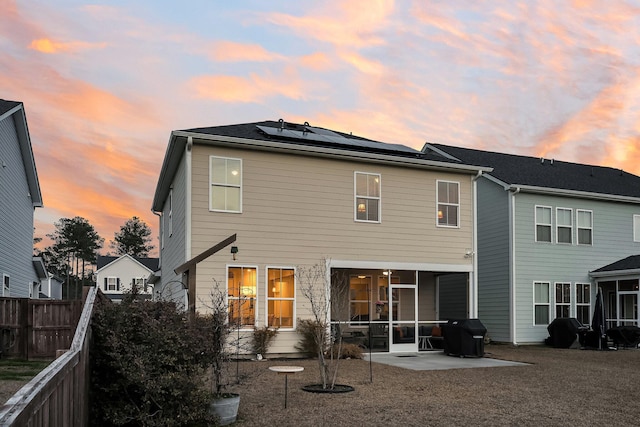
[{"x": 327, "y": 136}]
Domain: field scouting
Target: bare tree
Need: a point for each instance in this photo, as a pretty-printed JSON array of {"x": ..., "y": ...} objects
[{"x": 326, "y": 292}]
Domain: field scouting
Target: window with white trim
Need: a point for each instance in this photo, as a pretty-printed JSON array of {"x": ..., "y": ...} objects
[
  {"x": 225, "y": 178},
  {"x": 583, "y": 303},
  {"x": 564, "y": 225},
  {"x": 367, "y": 196},
  {"x": 636, "y": 228},
  {"x": 543, "y": 224},
  {"x": 584, "y": 221},
  {"x": 6, "y": 285},
  {"x": 448, "y": 196},
  {"x": 242, "y": 292},
  {"x": 281, "y": 297},
  {"x": 563, "y": 299},
  {"x": 140, "y": 283},
  {"x": 541, "y": 303},
  {"x": 112, "y": 284}
]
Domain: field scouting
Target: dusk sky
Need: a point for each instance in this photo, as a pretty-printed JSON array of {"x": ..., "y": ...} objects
[{"x": 104, "y": 83}]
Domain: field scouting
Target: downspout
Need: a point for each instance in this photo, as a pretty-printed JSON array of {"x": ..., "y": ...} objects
[
  {"x": 473, "y": 303},
  {"x": 187, "y": 202},
  {"x": 512, "y": 264}
]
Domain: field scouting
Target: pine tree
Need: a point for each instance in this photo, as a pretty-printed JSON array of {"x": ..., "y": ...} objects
[{"x": 134, "y": 238}]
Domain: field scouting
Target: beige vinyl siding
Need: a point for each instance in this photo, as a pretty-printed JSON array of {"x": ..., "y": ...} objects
[{"x": 298, "y": 210}]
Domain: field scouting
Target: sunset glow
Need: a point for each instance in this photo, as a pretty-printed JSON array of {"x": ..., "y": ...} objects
[{"x": 104, "y": 83}]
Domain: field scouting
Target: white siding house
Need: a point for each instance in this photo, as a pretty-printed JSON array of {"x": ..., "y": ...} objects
[
  {"x": 115, "y": 276},
  {"x": 20, "y": 195}
]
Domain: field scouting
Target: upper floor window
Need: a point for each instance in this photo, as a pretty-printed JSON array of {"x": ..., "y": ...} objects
[
  {"x": 140, "y": 283},
  {"x": 241, "y": 291},
  {"x": 585, "y": 227},
  {"x": 636, "y": 228},
  {"x": 367, "y": 203},
  {"x": 563, "y": 299},
  {"x": 448, "y": 196},
  {"x": 6, "y": 285},
  {"x": 225, "y": 176},
  {"x": 583, "y": 303},
  {"x": 543, "y": 224},
  {"x": 281, "y": 297},
  {"x": 541, "y": 303},
  {"x": 111, "y": 284},
  {"x": 564, "y": 225}
]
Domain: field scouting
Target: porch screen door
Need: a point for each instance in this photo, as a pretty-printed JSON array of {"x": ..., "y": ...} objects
[
  {"x": 403, "y": 310},
  {"x": 629, "y": 310}
]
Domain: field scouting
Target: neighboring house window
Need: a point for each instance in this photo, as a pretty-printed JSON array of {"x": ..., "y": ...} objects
[
  {"x": 541, "y": 303},
  {"x": 112, "y": 284},
  {"x": 448, "y": 203},
  {"x": 367, "y": 206},
  {"x": 564, "y": 225},
  {"x": 543, "y": 224},
  {"x": 6, "y": 284},
  {"x": 225, "y": 176},
  {"x": 140, "y": 283},
  {"x": 636, "y": 228},
  {"x": 563, "y": 299},
  {"x": 585, "y": 227},
  {"x": 281, "y": 297},
  {"x": 583, "y": 303},
  {"x": 241, "y": 289}
]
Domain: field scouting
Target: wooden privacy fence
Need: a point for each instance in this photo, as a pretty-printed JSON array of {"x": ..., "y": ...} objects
[
  {"x": 59, "y": 395},
  {"x": 36, "y": 329}
]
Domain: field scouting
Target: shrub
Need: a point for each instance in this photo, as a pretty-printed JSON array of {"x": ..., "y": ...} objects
[
  {"x": 309, "y": 329},
  {"x": 347, "y": 351},
  {"x": 147, "y": 366},
  {"x": 262, "y": 337}
]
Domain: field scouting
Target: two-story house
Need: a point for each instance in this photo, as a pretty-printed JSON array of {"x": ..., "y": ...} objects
[
  {"x": 20, "y": 195},
  {"x": 398, "y": 224},
  {"x": 549, "y": 234},
  {"x": 116, "y": 275}
]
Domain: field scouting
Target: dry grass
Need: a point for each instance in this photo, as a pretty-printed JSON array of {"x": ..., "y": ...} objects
[{"x": 560, "y": 387}]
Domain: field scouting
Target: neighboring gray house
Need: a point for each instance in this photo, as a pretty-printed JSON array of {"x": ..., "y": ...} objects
[
  {"x": 116, "y": 275},
  {"x": 549, "y": 234},
  {"x": 19, "y": 196}
]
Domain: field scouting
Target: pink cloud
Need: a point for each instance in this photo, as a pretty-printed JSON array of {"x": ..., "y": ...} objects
[
  {"x": 227, "y": 51},
  {"x": 49, "y": 46}
]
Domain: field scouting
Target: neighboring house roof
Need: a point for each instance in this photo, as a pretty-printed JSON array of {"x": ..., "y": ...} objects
[
  {"x": 627, "y": 264},
  {"x": 536, "y": 172},
  {"x": 150, "y": 263},
  {"x": 302, "y": 139},
  {"x": 16, "y": 109}
]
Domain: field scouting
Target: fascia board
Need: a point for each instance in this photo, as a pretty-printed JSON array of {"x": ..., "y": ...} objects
[
  {"x": 574, "y": 193},
  {"x": 175, "y": 150},
  {"x": 26, "y": 150},
  {"x": 615, "y": 273}
]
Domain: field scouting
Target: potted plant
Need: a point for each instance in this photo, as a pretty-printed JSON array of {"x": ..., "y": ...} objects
[{"x": 217, "y": 330}]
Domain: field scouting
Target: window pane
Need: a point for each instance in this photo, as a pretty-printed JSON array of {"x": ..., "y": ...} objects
[
  {"x": 280, "y": 313},
  {"x": 233, "y": 199},
  {"x": 453, "y": 192},
  {"x": 584, "y": 236},
  {"x": 541, "y": 293},
  {"x": 374, "y": 186},
  {"x": 218, "y": 198},
  {"x": 372, "y": 210},
  {"x": 543, "y": 215},
  {"x": 584, "y": 219},
  {"x": 361, "y": 184},
  {"x": 233, "y": 172},
  {"x": 443, "y": 192},
  {"x": 636, "y": 228},
  {"x": 563, "y": 217},
  {"x": 562, "y": 311},
  {"x": 564, "y": 235},
  {"x": 542, "y": 315},
  {"x": 218, "y": 170},
  {"x": 543, "y": 233}
]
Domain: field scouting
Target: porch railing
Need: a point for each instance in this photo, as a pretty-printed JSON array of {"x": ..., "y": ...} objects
[{"x": 57, "y": 396}]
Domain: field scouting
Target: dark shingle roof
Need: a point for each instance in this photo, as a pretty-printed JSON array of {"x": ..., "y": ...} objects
[
  {"x": 534, "y": 171},
  {"x": 7, "y": 105},
  {"x": 150, "y": 263},
  {"x": 348, "y": 141},
  {"x": 629, "y": 263}
]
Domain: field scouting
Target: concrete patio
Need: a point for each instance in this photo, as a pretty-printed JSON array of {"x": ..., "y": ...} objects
[{"x": 437, "y": 360}]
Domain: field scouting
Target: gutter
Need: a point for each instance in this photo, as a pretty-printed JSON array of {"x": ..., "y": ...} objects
[
  {"x": 512, "y": 263},
  {"x": 573, "y": 193}
]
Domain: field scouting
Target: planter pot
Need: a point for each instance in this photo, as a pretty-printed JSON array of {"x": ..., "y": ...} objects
[{"x": 226, "y": 408}]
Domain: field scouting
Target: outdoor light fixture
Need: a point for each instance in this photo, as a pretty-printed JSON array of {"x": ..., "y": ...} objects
[{"x": 234, "y": 251}]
